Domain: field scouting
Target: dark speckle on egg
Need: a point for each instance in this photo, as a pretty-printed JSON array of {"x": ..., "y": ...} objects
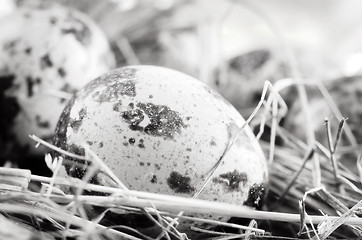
[
  {"x": 179, "y": 183},
  {"x": 153, "y": 179},
  {"x": 133, "y": 118},
  {"x": 141, "y": 144},
  {"x": 78, "y": 29},
  {"x": 10, "y": 47},
  {"x": 231, "y": 180},
  {"x": 256, "y": 196},
  {"x": 131, "y": 141},
  {"x": 114, "y": 90},
  {"x": 28, "y": 50},
  {"x": 46, "y": 62},
  {"x": 164, "y": 121},
  {"x": 41, "y": 123},
  {"x": 53, "y": 20},
  {"x": 158, "y": 167},
  {"x": 61, "y": 72},
  {"x": 75, "y": 124},
  {"x": 30, "y": 84},
  {"x": 117, "y": 106}
]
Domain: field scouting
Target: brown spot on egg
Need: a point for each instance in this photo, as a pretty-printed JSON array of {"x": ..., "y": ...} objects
[
  {"x": 75, "y": 124},
  {"x": 117, "y": 83},
  {"x": 10, "y": 47},
  {"x": 61, "y": 72},
  {"x": 256, "y": 196},
  {"x": 41, "y": 123},
  {"x": 45, "y": 62},
  {"x": 28, "y": 50},
  {"x": 30, "y": 84},
  {"x": 179, "y": 183},
  {"x": 141, "y": 144},
  {"x": 132, "y": 141},
  {"x": 131, "y": 105},
  {"x": 158, "y": 167},
  {"x": 112, "y": 92},
  {"x": 53, "y": 20},
  {"x": 164, "y": 121},
  {"x": 133, "y": 118},
  {"x": 153, "y": 179},
  {"x": 231, "y": 180},
  {"x": 117, "y": 106},
  {"x": 78, "y": 29}
]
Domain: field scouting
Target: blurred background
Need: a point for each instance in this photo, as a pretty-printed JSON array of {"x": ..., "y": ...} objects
[{"x": 234, "y": 46}]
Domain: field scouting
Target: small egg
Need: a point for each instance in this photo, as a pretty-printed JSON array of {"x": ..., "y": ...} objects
[
  {"x": 162, "y": 131},
  {"x": 246, "y": 74},
  {"x": 44, "y": 51}
]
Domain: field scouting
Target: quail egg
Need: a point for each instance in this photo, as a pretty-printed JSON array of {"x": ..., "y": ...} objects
[
  {"x": 46, "y": 54},
  {"x": 163, "y": 131}
]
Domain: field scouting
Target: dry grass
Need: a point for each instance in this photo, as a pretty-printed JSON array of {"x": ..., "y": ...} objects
[{"x": 312, "y": 194}]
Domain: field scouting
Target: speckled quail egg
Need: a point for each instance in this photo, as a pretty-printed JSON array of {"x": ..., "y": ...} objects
[
  {"x": 162, "y": 131},
  {"x": 43, "y": 52}
]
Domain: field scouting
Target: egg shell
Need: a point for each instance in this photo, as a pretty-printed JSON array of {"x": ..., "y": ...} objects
[
  {"x": 46, "y": 49},
  {"x": 162, "y": 131}
]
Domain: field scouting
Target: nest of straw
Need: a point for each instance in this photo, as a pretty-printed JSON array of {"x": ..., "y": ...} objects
[{"x": 312, "y": 193}]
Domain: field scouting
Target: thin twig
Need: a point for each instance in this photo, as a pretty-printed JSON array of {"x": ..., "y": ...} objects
[
  {"x": 331, "y": 152},
  {"x": 339, "y": 133}
]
